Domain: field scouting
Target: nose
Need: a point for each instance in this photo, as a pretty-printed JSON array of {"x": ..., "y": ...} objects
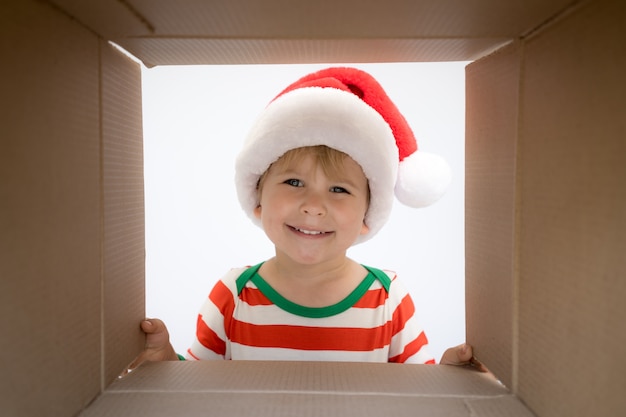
[{"x": 313, "y": 204}]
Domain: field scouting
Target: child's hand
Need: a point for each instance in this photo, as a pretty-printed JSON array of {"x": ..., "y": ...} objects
[
  {"x": 462, "y": 355},
  {"x": 158, "y": 346}
]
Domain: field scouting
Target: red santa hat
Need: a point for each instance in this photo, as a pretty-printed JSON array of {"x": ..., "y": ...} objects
[{"x": 348, "y": 110}]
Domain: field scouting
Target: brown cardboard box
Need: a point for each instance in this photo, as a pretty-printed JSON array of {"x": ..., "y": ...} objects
[
  {"x": 71, "y": 216},
  {"x": 546, "y": 142},
  {"x": 232, "y": 388},
  {"x": 545, "y": 224}
]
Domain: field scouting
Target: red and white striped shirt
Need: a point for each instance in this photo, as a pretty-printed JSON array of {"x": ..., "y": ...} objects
[{"x": 245, "y": 318}]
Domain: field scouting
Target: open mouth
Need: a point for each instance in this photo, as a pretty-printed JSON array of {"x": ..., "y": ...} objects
[{"x": 309, "y": 232}]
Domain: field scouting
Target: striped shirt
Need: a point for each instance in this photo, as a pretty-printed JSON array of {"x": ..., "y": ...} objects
[{"x": 245, "y": 318}]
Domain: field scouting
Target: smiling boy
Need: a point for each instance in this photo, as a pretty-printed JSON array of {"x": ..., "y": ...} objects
[
  {"x": 318, "y": 172},
  {"x": 313, "y": 212}
]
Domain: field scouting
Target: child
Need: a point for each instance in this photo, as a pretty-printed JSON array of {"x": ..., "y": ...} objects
[{"x": 318, "y": 173}]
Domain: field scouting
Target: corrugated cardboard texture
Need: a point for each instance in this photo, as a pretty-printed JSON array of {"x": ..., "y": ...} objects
[
  {"x": 297, "y": 51},
  {"x": 572, "y": 235},
  {"x": 71, "y": 212},
  {"x": 161, "y": 32},
  {"x": 124, "y": 233},
  {"x": 554, "y": 268},
  {"x": 492, "y": 97},
  {"x": 233, "y": 388},
  {"x": 50, "y": 215},
  {"x": 123, "y": 205}
]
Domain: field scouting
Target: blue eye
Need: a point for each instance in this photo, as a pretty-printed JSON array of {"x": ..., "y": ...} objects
[
  {"x": 293, "y": 182},
  {"x": 339, "y": 190}
]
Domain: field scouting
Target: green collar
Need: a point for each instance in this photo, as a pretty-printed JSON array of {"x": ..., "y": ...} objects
[{"x": 251, "y": 274}]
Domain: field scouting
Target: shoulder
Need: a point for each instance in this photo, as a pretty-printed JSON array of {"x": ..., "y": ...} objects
[
  {"x": 234, "y": 273},
  {"x": 391, "y": 274},
  {"x": 225, "y": 291},
  {"x": 386, "y": 277},
  {"x": 230, "y": 279}
]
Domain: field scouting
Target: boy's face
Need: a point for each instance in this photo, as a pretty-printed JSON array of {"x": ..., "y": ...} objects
[{"x": 309, "y": 217}]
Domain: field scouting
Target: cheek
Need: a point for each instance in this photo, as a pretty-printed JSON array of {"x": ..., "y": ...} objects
[
  {"x": 272, "y": 205},
  {"x": 355, "y": 216}
]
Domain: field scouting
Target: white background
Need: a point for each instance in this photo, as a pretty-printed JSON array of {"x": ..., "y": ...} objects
[{"x": 195, "y": 121}]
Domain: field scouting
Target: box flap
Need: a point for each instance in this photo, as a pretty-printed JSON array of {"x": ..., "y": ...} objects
[
  {"x": 231, "y": 388},
  {"x": 276, "y": 31}
]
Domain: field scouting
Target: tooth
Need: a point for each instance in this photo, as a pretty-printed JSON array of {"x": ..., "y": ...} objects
[{"x": 310, "y": 232}]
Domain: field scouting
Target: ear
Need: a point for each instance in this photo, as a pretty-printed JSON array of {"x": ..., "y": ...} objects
[
  {"x": 364, "y": 229},
  {"x": 257, "y": 212}
]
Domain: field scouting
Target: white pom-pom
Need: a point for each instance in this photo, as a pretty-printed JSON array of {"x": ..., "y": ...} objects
[{"x": 423, "y": 178}]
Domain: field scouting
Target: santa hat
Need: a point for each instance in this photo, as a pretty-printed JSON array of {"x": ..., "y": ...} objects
[{"x": 345, "y": 109}]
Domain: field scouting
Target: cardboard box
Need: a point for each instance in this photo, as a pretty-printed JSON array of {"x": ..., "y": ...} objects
[
  {"x": 545, "y": 149},
  {"x": 545, "y": 224},
  {"x": 233, "y": 388}
]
